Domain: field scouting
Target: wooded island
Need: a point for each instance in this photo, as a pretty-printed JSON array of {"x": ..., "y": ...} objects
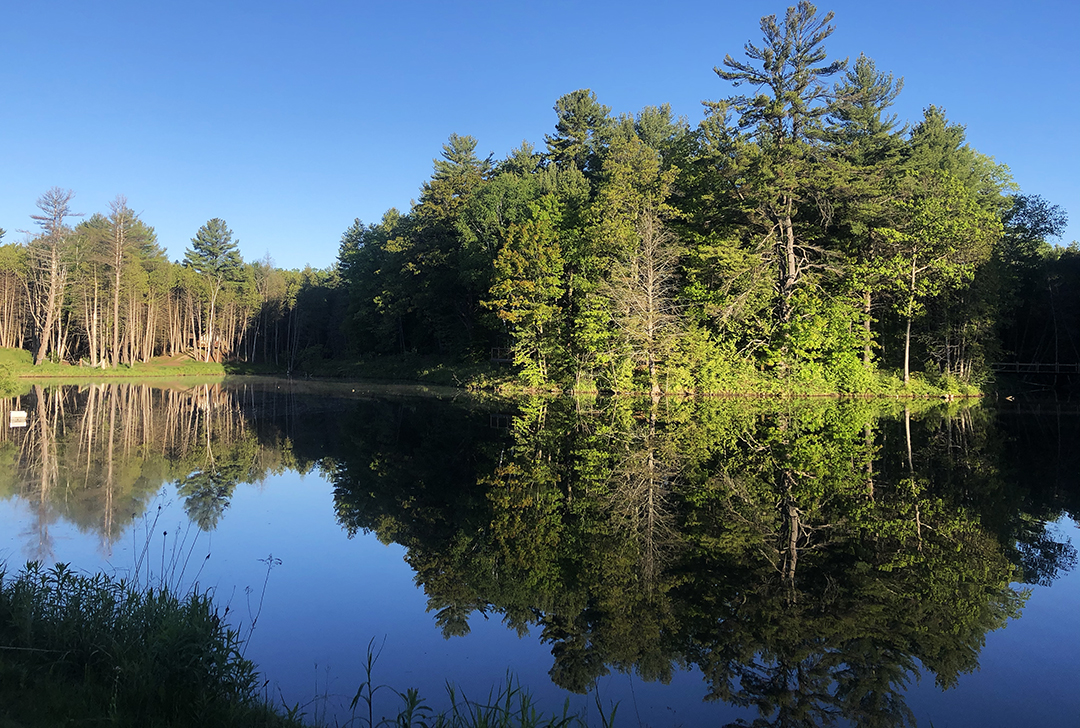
[{"x": 800, "y": 238}]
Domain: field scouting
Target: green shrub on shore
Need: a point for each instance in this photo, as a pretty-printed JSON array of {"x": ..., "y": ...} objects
[{"x": 93, "y": 649}]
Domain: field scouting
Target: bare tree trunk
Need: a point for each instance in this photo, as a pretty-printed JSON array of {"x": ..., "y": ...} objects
[
  {"x": 910, "y": 315},
  {"x": 866, "y": 327},
  {"x": 789, "y": 264},
  {"x": 54, "y": 293},
  {"x": 55, "y": 208},
  {"x": 120, "y": 221},
  {"x": 210, "y": 324}
]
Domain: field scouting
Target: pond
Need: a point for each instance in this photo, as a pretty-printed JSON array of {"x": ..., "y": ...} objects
[{"x": 694, "y": 562}]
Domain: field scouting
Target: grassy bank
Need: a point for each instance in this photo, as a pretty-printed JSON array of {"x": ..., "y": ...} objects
[
  {"x": 17, "y": 363},
  {"x": 722, "y": 378},
  {"x": 92, "y": 650},
  {"x": 725, "y": 380}
]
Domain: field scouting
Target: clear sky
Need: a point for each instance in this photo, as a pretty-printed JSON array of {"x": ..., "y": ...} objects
[{"x": 290, "y": 119}]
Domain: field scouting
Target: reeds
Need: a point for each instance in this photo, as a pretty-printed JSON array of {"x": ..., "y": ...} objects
[
  {"x": 79, "y": 647},
  {"x": 509, "y": 705}
]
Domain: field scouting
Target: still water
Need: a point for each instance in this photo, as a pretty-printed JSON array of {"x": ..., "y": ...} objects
[{"x": 693, "y": 562}]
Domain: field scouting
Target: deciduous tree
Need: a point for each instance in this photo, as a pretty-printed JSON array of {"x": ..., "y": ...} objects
[{"x": 942, "y": 235}]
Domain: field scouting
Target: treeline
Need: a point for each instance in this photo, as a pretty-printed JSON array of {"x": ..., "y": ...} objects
[
  {"x": 102, "y": 292},
  {"x": 799, "y": 237},
  {"x": 799, "y": 232}
]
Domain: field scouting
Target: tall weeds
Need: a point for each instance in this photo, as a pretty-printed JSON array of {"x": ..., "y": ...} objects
[
  {"x": 79, "y": 649},
  {"x": 507, "y": 706},
  {"x": 97, "y": 646}
]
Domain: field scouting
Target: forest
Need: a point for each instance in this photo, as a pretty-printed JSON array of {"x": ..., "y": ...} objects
[{"x": 799, "y": 238}]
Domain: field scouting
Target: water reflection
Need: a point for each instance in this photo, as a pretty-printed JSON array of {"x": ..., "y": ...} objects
[
  {"x": 95, "y": 455},
  {"x": 808, "y": 557}
]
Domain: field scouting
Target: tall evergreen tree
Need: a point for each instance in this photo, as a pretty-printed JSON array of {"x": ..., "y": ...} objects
[
  {"x": 214, "y": 256},
  {"x": 866, "y": 149},
  {"x": 785, "y": 117},
  {"x": 582, "y": 130}
]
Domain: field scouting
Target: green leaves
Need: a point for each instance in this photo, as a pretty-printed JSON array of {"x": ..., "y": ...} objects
[
  {"x": 527, "y": 290},
  {"x": 942, "y": 236}
]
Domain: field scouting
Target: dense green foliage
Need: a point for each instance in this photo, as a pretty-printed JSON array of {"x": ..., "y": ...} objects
[
  {"x": 798, "y": 233},
  {"x": 798, "y": 239}
]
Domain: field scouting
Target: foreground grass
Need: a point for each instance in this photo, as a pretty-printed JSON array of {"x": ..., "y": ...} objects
[
  {"x": 80, "y": 650},
  {"x": 92, "y": 650}
]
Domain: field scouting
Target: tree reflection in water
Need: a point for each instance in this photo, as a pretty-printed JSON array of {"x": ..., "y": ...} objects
[
  {"x": 95, "y": 455},
  {"x": 808, "y": 557}
]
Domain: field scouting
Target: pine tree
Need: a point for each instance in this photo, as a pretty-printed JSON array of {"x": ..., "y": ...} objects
[
  {"x": 785, "y": 117},
  {"x": 582, "y": 131},
  {"x": 215, "y": 257}
]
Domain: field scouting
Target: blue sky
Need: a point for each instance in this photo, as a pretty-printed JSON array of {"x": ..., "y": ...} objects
[{"x": 290, "y": 119}]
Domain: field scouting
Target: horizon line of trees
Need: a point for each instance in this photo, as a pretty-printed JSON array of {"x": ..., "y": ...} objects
[
  {"x": 799, "y": 231},
  {"x": 103, "y": 293}
]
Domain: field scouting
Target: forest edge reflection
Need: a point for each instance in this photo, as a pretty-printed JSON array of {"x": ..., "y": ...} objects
[{"x": 807, "y": 556}]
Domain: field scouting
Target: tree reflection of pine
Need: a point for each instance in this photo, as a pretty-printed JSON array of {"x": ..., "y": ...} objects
[{"x": 805, "y": 556}]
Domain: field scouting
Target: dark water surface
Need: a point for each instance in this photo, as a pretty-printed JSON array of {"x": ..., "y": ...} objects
[{"x": 695, "y": 562}]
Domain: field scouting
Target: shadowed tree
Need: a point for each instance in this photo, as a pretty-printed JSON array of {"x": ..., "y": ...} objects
[{"x": 1029, "y": 268}]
